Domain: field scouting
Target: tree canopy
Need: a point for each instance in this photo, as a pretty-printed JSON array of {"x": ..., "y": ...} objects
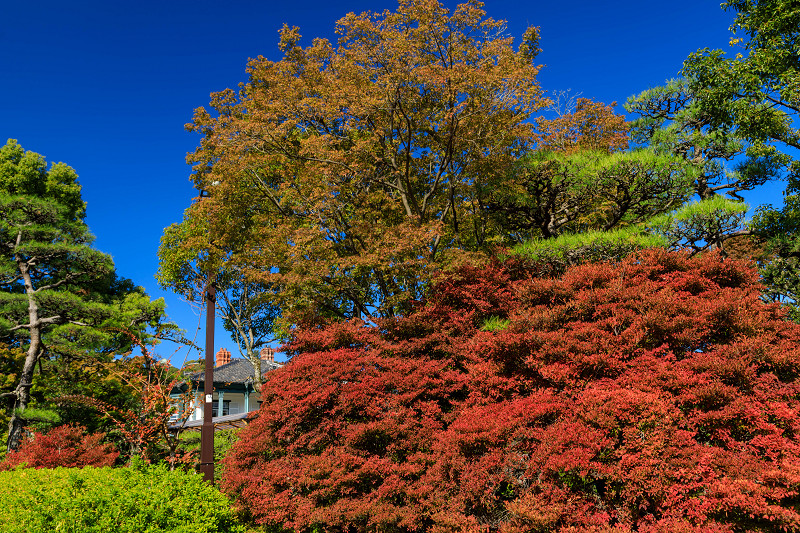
[
  {"x": 343, "y": 177},
  {"x": 343, "y": 170},
  {"x": 757, "y": 92},
  {"x": 59, "y": 297},
  {"x": 753, "y": 98}
]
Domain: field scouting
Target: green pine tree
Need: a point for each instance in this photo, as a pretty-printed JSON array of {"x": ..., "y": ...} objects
[{"x": 59, "y": 297}]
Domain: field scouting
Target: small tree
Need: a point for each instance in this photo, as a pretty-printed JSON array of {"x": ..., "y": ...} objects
[
  {"x": 146, "y": 427},
  {"x": 66, "y": 446}
]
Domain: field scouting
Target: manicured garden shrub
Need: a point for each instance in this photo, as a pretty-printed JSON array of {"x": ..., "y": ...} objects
[
  {"x": 141, "y": 499},
  {"x": 656, "y": 394},
  {"x": 223, "y": 440},
  {"x": 67, "y": 446}
]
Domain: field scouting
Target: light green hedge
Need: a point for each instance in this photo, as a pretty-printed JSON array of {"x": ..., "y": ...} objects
[{"x": 141, "y": 499}]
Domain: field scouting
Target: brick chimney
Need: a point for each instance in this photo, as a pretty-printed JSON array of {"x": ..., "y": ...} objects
[
  {"x": 267, "y": 354},
  {"x": 223, "y": 357}
]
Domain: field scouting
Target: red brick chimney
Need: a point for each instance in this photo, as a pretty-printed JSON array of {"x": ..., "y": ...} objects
[
  {"x": 223, "y": 357},
  {"x": 267, "y": 354}
]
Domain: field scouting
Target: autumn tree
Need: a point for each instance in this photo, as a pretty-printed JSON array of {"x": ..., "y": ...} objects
[
  {"x": 582, "y": 124},
  {"x": 59, "y": 297},
  {"x": 63, "y": 446},
  {"x": 657, "y": 393},
  {"x": 352, "y": 169}
]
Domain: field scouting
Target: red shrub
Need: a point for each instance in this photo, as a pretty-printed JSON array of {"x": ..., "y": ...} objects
[
  {"x": 656, "y": 394},
  {"x": 67, "y": 446}
]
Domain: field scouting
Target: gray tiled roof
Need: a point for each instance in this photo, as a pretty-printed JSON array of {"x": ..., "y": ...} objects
[{"x": 237, "y": 371}]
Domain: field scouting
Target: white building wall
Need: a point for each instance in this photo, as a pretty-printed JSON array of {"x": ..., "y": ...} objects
[{"x": 236, "y": 399}]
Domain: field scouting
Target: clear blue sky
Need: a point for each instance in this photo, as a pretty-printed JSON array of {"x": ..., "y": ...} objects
[{"x": 107, "y": 87}]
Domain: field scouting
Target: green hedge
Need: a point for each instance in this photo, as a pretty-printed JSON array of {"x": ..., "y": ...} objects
[{"x": 141, "y": 499}]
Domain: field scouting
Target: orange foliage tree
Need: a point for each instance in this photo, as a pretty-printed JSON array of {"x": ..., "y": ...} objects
[
  {"x": 340, "y": 175},
  {"x": 589, "y": 126},
  {"x": 655, "y": 394}
]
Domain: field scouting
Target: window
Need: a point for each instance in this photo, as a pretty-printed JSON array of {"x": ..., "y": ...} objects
[{"x": 226, "y": 407}]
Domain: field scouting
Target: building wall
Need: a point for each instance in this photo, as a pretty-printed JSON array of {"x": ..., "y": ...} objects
[{"x": 237, "y": 403}]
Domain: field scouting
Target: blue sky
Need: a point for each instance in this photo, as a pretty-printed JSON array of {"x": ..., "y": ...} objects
[{"x": 107, "y": 87}]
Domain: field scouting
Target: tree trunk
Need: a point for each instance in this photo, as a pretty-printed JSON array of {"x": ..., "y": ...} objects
[{"x": 23, "y": 390}]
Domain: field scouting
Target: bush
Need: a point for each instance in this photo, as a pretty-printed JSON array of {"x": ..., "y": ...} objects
[
  {"x": 655, "y": 394},
  {"x": 67, "y": 446},
  {"x": 138, "y": 499},
  {"x": 223, "y": 440}
]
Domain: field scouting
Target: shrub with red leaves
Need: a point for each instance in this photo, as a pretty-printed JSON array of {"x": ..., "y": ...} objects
[
  {"x": 67, "y": 446},
  {"x": 656, "y": 394}
]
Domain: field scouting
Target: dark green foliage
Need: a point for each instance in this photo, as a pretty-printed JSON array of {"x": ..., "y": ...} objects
[
  {"x": 757, "y": 92},
  {"x": 780, "y": 228},
  {"x": 550, "y": 193},
  {"x": 725, "y": 160},
  {"x": 122, "y": 500},
  {"x": 60, "y": 299}
]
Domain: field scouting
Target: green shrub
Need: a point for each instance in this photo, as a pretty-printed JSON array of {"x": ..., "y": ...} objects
[
  {"x": 146, "y": 499},
  {"x": 223, "y": 440}
]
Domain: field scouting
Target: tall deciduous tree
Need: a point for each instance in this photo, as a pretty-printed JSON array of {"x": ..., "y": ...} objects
[
  {"x": 59, "y": 297},
  {"x": 353, "y": 168}
]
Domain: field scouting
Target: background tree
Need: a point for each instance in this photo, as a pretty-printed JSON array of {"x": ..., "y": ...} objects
[
  {"x": 188, "y": 261},
  {"x": 727, "y": 160},
  {"x": 582, "y": 195},
  {"x": 673, "y": 121},
  {"x": 752, "y": 101},
  {"x": 353, "y": 169},
  {"x": 780, "y": 231},
  {"x": 658, "y": 393},
  {"x": 757, "y": 92},
  {"x": 550, "y": 193},
  {"x": 59, "y": 297}
]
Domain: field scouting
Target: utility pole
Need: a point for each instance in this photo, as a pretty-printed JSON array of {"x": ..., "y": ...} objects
[{"x": 207, "y": 434}]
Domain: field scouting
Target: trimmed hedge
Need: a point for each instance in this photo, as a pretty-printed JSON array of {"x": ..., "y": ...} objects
[{"x": 141, "y": 499}]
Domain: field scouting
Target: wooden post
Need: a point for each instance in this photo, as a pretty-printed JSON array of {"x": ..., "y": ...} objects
[{"x": 207, "y": 434}]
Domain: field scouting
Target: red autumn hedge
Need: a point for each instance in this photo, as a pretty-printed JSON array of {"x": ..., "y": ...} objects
[
  {"x": 656, "y": 394},
  {"x": 67, "y": 446}
]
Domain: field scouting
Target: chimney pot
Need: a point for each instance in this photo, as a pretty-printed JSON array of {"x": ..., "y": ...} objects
[
  {"x": 223, "y": 357},
  {"x": 267, "y": 354}
]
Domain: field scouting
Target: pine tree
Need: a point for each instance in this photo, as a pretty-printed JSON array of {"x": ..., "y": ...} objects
[{"x": 59, "y": 297}]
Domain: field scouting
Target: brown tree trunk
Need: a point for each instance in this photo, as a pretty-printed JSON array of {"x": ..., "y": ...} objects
[{"x": 23, "y": 390}]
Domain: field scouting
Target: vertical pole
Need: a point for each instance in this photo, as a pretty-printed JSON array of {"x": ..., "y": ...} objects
[{"x": 207, "y": 435}]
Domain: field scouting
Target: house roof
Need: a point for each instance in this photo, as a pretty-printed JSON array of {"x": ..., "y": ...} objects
[
  {"x": 219, "y": 422},
  {"x": 238, "y": 371}
]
